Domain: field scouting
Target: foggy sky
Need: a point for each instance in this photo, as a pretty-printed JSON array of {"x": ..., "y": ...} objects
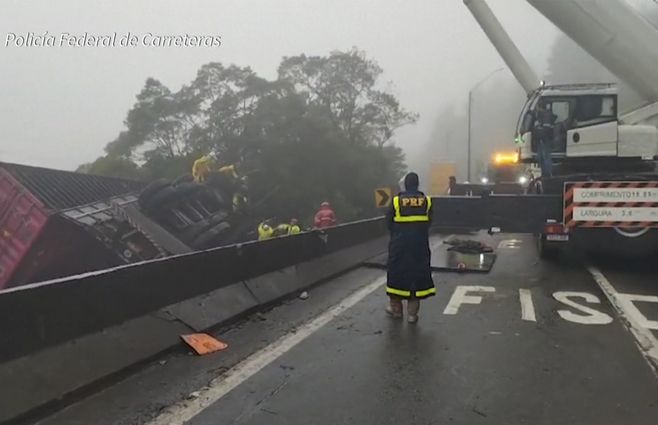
[{"x": 60, "y": 106}]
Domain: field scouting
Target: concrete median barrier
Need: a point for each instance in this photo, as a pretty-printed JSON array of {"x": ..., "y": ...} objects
[
  {"x": 36, "y": 316},
  {"x": 218, "y": 306},
  {"x": 272, "y": 286},
  {"x": 41, "y": 379},
  {"x": 59, "y": 337}
]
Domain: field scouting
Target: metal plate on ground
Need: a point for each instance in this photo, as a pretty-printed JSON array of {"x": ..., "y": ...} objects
[
  {"x": 453, "y": 261},
  {"x": 448, "y": 261}
]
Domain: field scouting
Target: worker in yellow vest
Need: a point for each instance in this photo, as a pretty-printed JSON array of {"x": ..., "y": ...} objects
[
  {"x": 201, "y": 168},
  {"x": 265, "y": 231},
  {"x": 294, "y": 228},
  {"x": 285, "y": 229}
]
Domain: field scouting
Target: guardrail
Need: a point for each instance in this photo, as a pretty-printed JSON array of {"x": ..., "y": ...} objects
[
  {"x": 36, "y": 316},
  {"x": 480, "y": 189},
  {"x": 509, "y": 213}
]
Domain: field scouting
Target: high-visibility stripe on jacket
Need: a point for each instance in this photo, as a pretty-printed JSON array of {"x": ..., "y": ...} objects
[
  {"x": 411, "y": 209},
  {"x": 407, "y": 294}
]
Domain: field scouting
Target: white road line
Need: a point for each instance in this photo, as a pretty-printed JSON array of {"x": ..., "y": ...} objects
[
  {"x": 645, "y": 340},
  {"x": 627, "y": 300},
  {"x": 527, "y": 306},
  {"x": 222, "y": 385}
]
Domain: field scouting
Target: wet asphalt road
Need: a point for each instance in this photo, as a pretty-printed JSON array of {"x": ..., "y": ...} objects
[{"x": 531, "y": 342}]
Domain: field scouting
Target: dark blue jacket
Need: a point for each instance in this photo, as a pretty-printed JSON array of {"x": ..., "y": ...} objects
[{"x": 409, "y": 273}]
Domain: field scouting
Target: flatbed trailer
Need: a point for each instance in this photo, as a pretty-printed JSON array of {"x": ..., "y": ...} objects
[{"x": 607, "y": 213}]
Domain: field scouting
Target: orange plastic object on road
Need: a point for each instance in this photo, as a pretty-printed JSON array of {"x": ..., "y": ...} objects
[{"x": 204, "y": 344}]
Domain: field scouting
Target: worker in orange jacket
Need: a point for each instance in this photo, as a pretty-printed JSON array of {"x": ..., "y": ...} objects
[{"x": 325, "y": 217}]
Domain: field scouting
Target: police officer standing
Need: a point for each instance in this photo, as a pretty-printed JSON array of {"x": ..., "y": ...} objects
[{"x": 409, "y": 273}]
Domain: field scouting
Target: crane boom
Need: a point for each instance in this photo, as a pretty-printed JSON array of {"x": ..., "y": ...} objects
[
  {"x": 614, "y": 34},
  {"x": 504, "y": 44}
]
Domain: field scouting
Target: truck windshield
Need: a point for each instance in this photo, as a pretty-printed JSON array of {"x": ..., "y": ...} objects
[
  {"x": 561, "y": 110},
  {"x": 594, "y": 109}
]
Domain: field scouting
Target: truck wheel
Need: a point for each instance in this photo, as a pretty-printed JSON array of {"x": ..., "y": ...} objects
[
  {"x": 185, "y": 178},
  {"x": 212, "y": 199},
  {"x": 211, "y": 235},
  {"x": 172, "y": 193},
  {"x": 194, "y": 230},
  {"x": 151, "y": 189},
  {"x": 545, "y": 250},
  {"x": 187, "y": 189},
  {"x": 159, "y": 199},
  {"x": 218, "y": 217}
]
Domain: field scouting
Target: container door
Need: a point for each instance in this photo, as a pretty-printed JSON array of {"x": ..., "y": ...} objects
[{"x": 21, "y": 219}]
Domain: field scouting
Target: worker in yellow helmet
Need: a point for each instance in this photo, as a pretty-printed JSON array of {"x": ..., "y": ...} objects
[
  {"x": 265, "y": 231},
  {"x": 201, "y": 168},
  {"x": 229, "y": 171},
  {"x": 294, "y": 228}
]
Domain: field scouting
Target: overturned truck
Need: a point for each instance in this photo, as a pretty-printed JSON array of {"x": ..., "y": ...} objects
[
  {"x": 57, "y": 223},
  {"x": 202, "y": 215}
]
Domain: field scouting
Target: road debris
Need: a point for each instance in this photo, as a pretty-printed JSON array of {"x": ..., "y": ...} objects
[{"x": 204, "y": 344}]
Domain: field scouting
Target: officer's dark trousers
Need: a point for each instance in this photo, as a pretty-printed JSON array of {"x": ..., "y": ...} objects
[{"x": 545, "y": 159}]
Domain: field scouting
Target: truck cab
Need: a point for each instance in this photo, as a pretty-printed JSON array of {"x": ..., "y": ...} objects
[
  {"x": 504, "y": 167},
  {"x": 585, "y": 124},
  {"x": 584, "y": 121}
]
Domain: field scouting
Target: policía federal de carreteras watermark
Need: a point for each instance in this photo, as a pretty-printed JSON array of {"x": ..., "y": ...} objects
[{"x": 115, "y": 39}]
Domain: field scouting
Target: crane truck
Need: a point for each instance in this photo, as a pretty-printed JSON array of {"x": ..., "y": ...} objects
[{"x": 604, "y": 160}]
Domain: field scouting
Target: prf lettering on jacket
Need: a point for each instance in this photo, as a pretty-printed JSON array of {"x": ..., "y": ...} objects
[{"x": 413, "y": 202}]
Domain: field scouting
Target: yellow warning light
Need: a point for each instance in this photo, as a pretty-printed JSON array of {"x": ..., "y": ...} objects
[{"x": 506, "y": 158}]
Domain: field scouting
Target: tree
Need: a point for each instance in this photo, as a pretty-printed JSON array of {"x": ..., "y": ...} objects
[
  {"x": 321, "y": 131},
  {"x": 344, "y": 85},
  {"x": 112, "y": 166},
  {"x": 148, "y": 124},
  {"x": 224, "y": 99}
]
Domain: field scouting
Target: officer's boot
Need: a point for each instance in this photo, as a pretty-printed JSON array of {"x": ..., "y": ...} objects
[
  {"x": 394, "y": 307},
  {"x": 413, "y": 305}
]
